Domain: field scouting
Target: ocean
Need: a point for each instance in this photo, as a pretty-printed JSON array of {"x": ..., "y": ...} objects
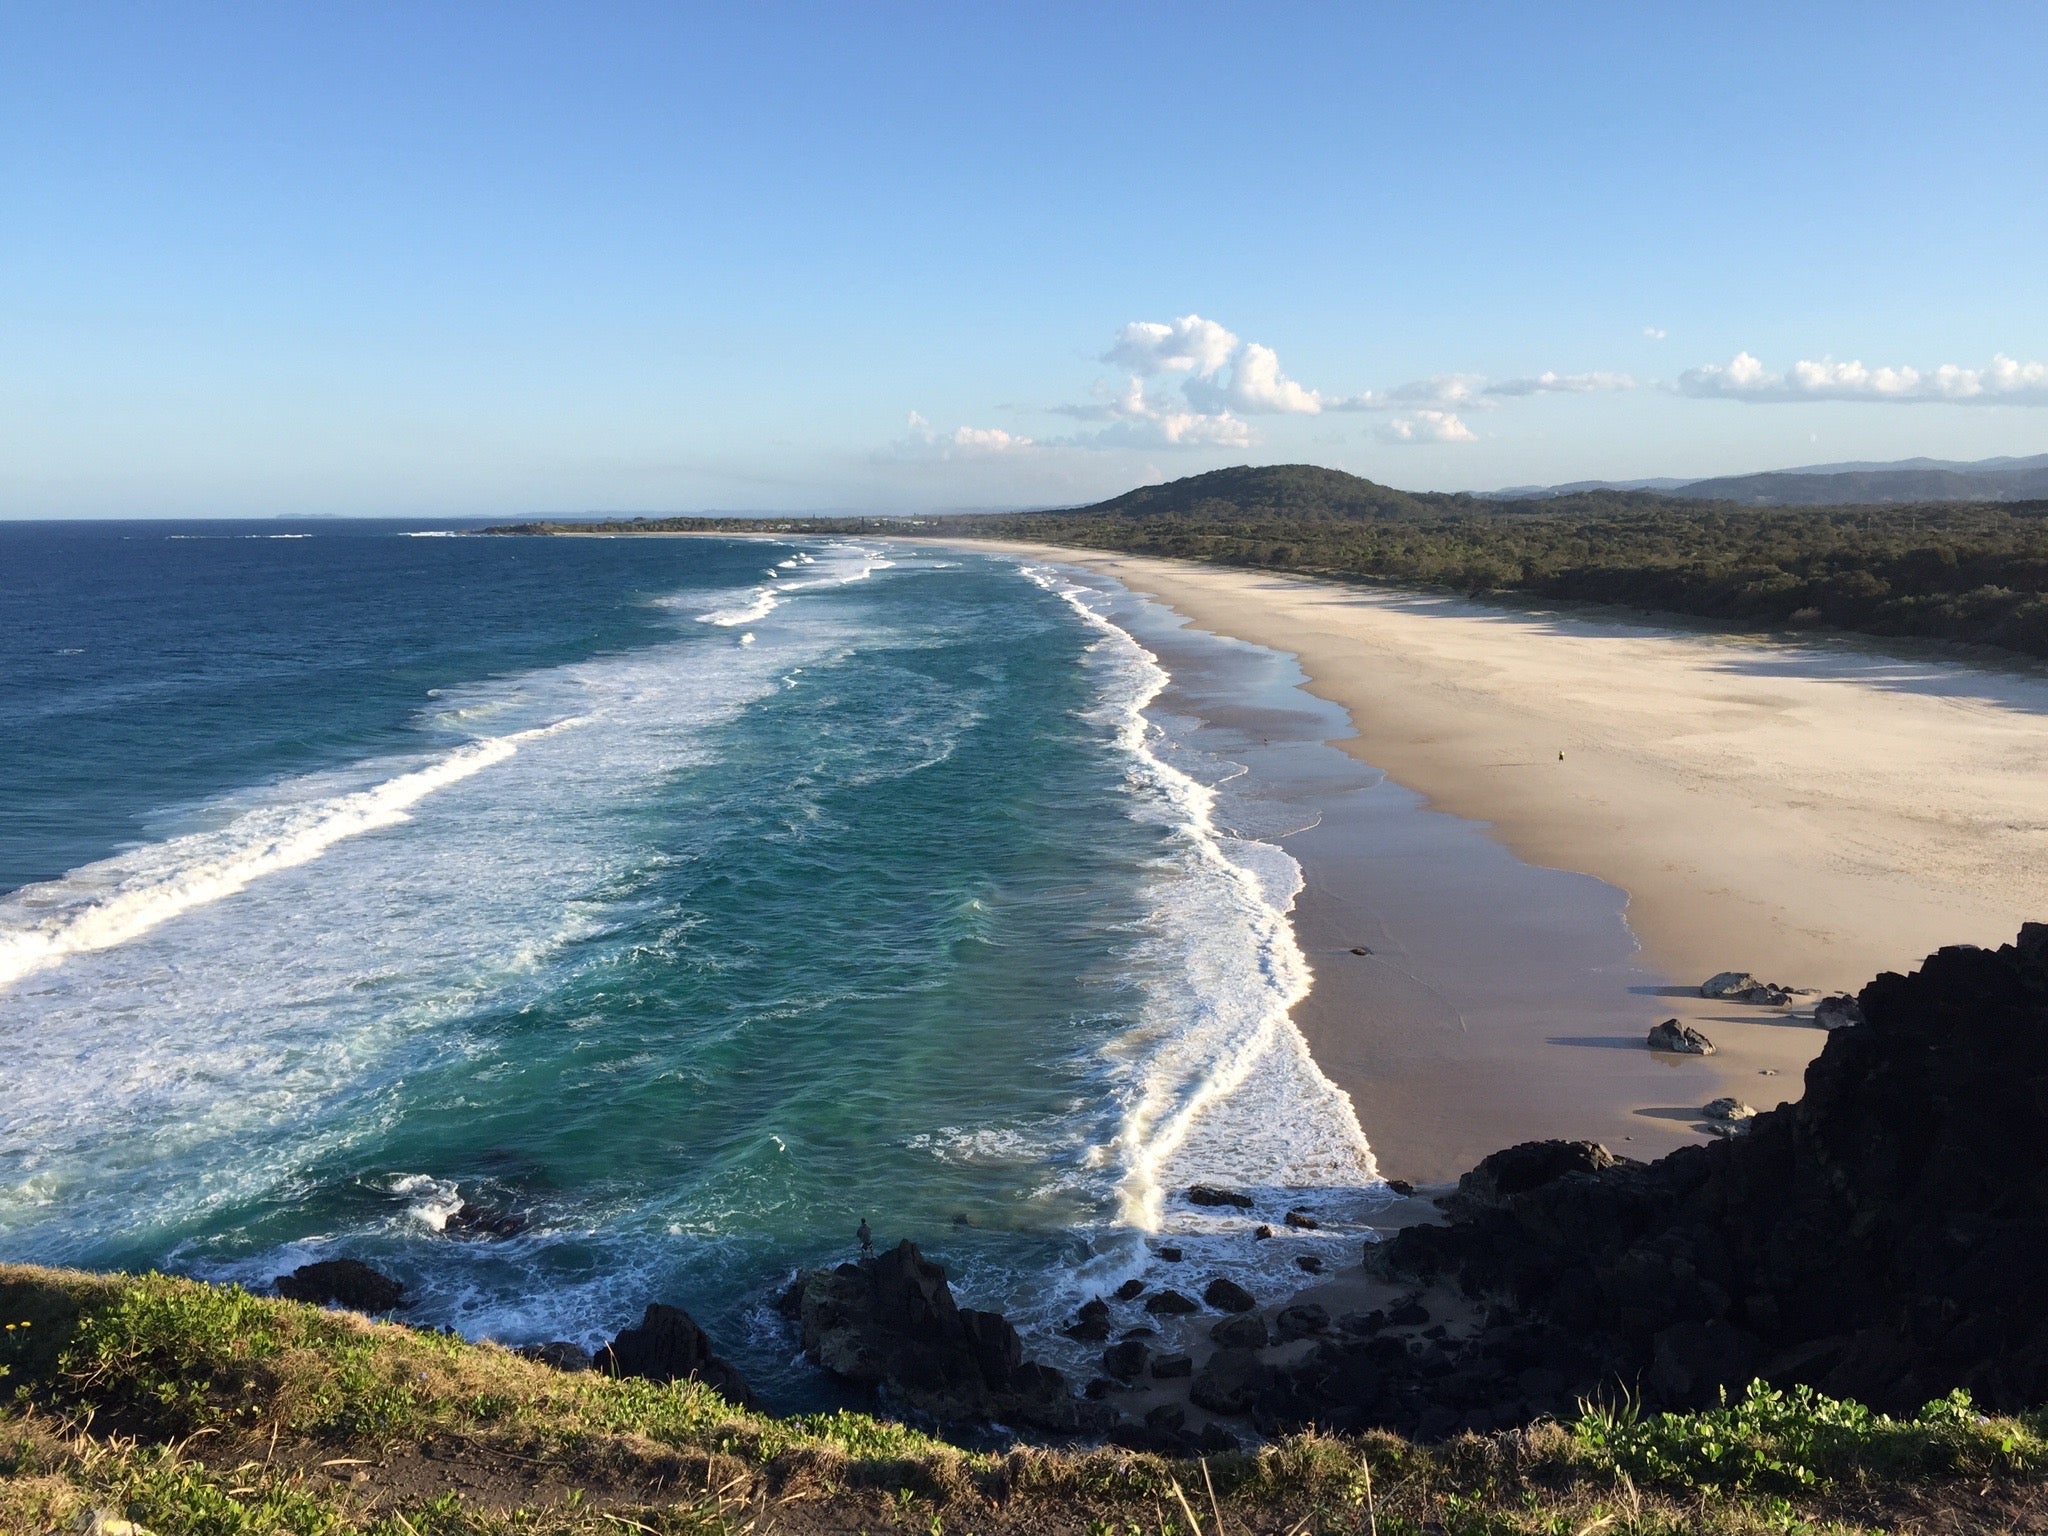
[{"x": 687, "y": 900}]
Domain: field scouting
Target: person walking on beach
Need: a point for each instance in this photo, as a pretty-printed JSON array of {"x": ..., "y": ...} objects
[{"x": 867, "y": 1239}]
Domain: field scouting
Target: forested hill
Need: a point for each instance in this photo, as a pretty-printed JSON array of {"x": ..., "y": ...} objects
[
  {"x": 1973, "y": 572},
  {"x": 1970, "y": 572}
]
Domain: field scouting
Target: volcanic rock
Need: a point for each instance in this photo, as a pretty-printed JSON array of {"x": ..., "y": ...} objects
[
  {"x": 891, "y": 1324},
  {"x": 1302, "y": 1220},
  {"x": 1837, "y": 1012},
  {"x": 472, "y": 1220},
  {"x": 1091, "y": 1323},
  {"x": 1126, "y": 1361},
  {"x": 1210, "y": 1194},
  {"x": 1228, "y": 1296},
  {"x": 1229, "y": 1383},
  {"x": 1530, "y": 1165},
  {"x": 1171, "y": 1304},
  {"x": 669, "y": 1346},
  {"x": 346, "y": 1283},
  {"x": 1883, "y": 1239},
  {"x": 1301, "y": 1321},
  {"x": 1130, "y": 1290},
  {"x": 1245, "y": 1331}
]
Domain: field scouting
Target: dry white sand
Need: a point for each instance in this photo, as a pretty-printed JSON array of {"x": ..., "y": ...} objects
[{"x": 1812, "y": 812}]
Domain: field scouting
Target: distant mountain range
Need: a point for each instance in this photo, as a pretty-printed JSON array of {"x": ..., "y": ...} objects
[{"x": 1854, "y": 484}]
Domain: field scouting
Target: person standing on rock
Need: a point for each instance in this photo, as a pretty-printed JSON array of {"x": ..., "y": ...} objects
[{"x": 867, "y": 1239}]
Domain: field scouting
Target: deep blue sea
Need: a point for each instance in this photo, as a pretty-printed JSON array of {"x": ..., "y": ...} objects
[{"x": 689, "y": 899}]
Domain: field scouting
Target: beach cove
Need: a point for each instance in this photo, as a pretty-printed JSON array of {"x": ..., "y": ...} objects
[{"x": 1814, "y": 812}]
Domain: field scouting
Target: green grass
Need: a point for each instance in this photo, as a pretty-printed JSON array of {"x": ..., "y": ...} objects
[{"x": 203, "y": 1411}]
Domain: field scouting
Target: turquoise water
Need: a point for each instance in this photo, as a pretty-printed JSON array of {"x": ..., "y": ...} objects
[{"x": 691, "y": 899}]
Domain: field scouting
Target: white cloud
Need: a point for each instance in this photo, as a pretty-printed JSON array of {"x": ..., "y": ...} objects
[
  {"x": 1255, "y": 385},
  {"x": 925, "y": 441},
  {"x": 1428, "y": 427},
  {"x": 1189, "y": 345},
  {"x": 2006, "y": 381},
  {"x": 1548, "y": 383},
  {"x": 1655, "y": 332}
]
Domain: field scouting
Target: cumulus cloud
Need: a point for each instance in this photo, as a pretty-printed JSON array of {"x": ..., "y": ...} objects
[
  {"x": 2006, "y": 381},
  {"x": 1187, "y": 345},
  {"x": 1135, "y": 419},
  {"x": 1548, "y": 383},
  {"x": 1655, "y": 332},
  {"x": 1428, "y": 427}
]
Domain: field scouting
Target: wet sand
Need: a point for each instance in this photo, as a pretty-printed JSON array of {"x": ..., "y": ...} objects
[{"x": 1814, "y": 813}]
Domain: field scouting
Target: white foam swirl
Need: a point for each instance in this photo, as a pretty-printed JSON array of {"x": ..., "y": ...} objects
[{"x": 101, "y": 905}]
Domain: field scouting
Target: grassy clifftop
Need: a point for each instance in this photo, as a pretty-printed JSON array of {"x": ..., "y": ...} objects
[{"x": 196, "y": 1410}]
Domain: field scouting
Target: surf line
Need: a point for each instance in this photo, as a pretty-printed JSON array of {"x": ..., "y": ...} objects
[
  {"x": 1169, "y": 1106},
  {"x": 153, "y": 885}
]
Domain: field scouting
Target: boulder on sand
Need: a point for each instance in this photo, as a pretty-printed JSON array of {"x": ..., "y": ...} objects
[
  {"x": 347, "y": 1283},
  {"x": 1228, "y": 1296},
  {"x": 1247, "y": 1330},
  {"x": 1729, "y": 1110},
  {"x": 1741, "y": 987},
  {"x": 892, "y": 1324},
  {"x": 1681, "y": 1039},
  {"x": 669, "y": 1346}
]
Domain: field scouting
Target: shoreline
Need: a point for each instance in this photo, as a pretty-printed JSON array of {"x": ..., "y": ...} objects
[{"x": 1815, "y": 816}]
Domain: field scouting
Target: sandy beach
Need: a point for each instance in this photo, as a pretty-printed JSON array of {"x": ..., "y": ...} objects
[{"x": 1811, "y": 812}]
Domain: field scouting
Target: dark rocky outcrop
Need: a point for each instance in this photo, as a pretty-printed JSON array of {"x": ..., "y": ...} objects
[
  {"x": 1171, "y": 1304},
  {"x": 891, "y": 1324},
  {"x": 669, "y": 1346},
  {"x": 1126, "y": 1361},
  {"x": 1210, "y": 1194},
  {"x": 1530, "y": 1165},
  {"x": 1837, "y": 1012},
  {"x": 1091, "y": 1322},
  {"x": 347, "y": 1283},
  {"x": 1885, "y": 1238},
  {"x": 473, "y": 1220},
  {"x": 1228, "y": 1296},
  {"x": 1245, "y": 1331}
]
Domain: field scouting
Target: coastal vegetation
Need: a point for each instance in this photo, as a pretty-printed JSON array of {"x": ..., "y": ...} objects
[
  {"x": 198, "y": 1410},
  {"x": 1975, "y": 573}
]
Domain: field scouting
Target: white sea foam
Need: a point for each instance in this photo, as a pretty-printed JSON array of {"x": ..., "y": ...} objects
[
  {"x": 115, "y": 900},
  {"x": 846, "y": 563},
  {"x": 246, "y": 997},
  {"x": 1218, "y": 1083}
]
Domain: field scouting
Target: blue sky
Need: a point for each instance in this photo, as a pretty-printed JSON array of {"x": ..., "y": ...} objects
[{"x": 495, "y": 258}]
